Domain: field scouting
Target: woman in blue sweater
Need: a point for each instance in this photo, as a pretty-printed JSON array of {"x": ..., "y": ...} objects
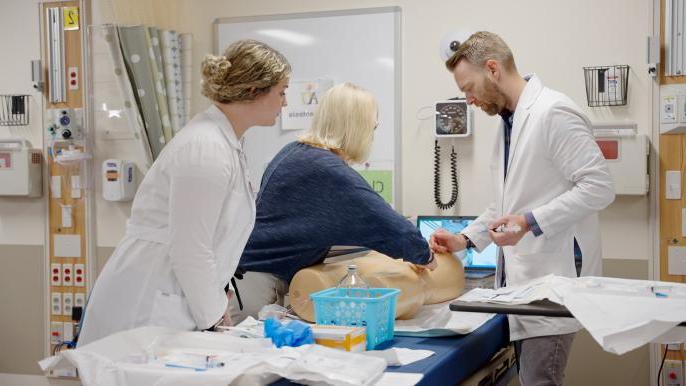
[{"x": 310, "y": 199}]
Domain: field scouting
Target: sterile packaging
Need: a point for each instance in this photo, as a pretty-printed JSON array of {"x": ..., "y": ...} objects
[{"x": 353, "y": 339}]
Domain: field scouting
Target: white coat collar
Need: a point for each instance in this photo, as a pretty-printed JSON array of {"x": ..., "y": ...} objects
[
  {"x": 529, "y": 95},
  {"x": 227, "y": 129}
]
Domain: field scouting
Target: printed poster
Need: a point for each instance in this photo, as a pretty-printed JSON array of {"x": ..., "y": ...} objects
[{"x": 303, "y": 98}]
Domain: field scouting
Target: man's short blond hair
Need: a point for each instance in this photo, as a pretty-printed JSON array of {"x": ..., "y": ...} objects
[
  {"x": 481, "y": 47},
  {"x": 344, "y": 122}
]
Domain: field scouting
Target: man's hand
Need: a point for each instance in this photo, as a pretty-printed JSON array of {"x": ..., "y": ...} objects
[
  {"x": 508, "y": 230},
  {"x": 443, "y": 241}
]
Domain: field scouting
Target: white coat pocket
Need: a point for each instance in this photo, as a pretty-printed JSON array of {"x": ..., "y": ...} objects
[{"x": 171, "y": 310}]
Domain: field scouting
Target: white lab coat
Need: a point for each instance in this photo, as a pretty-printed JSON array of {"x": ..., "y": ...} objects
[
  {"x": 190, "y": 221},
  {"x": 556, "y": 171}
]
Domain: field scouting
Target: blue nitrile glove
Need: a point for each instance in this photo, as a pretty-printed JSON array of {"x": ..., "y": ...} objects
[{"x": 294, "y": 334}]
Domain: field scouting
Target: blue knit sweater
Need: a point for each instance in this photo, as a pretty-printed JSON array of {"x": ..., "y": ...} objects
[{"x": 310, "y": 200}]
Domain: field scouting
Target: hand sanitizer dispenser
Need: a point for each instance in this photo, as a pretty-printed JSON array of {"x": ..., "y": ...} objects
[{"x": 118, "y": 180}]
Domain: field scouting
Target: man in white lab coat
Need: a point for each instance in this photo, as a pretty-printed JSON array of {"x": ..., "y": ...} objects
[{"x": 550, "y": 181}]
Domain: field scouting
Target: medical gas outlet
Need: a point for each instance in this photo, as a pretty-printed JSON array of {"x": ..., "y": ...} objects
[
  {"x": 65, "y": 124},
  {"x": 673, "y": 109}
]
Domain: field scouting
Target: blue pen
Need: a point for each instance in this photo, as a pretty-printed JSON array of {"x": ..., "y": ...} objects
[{"x": 657, "y": 294}]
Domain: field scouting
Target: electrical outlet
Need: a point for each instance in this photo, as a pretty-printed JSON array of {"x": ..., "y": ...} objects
[
  {"x": 673, "y": 373},
  {"x": 68, "y": 334},
  {"x": 80, "y": 300},
  {"x": 67, "y": 303},
  {"x": 56, "y": 332},
  {"x": 79, "y": 275},
  {"x": 56, "y": 303},
  {"x": 56, "y": 186},
  {"x": 668, "y": 111},
  {"x": 75, "y": 186},
  {"x": 73, "y": 75},
  {"x": 55, "y": 274},
  {"x": 67, "y": 275},
  {"x": 67, "y": 216}
]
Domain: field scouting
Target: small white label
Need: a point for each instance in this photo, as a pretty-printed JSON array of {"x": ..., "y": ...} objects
[
  {"x": 67, "y": 245},
  {"x": 673, "y": 185},
  {"x": 67, "y": 216},
  {"x": 676, "y": 260}
]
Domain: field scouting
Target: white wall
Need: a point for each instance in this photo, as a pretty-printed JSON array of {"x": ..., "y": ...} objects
[
  {"x": 554, "y": 39},
  {"x": 607, "y": 32},
  {"x": 21, "y": 219}
]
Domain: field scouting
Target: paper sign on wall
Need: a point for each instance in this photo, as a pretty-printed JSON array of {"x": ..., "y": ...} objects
[
  {"x": 71, "y": 18},
  {"x": 381, "y": 182},
  {"x": 303, "y": 98}
]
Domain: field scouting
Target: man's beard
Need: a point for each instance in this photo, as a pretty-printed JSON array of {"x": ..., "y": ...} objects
[{"x": 494, "y": 100}]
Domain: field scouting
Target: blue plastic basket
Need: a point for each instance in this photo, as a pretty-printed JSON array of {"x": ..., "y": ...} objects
[{"x": 376, "y": 313}]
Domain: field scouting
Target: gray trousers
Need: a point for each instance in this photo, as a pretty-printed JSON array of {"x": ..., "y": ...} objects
[
  {"x": 257, "y": 289},
  {"x": 542, "y": 360}
]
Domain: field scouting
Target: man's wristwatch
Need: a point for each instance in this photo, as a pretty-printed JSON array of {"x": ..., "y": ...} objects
[{"x": 469, "y": 244}]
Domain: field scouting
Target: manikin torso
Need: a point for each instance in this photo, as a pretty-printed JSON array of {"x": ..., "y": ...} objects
[{"x": 417, "y": 286}]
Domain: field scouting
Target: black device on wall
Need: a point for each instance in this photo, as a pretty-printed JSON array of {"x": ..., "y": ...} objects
[{"x": 452, "y": 120}]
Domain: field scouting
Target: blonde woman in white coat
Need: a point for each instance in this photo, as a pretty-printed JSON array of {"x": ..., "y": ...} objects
[
  {"x": 550, "y": 181},
  {"x": 195, "y": 208}
]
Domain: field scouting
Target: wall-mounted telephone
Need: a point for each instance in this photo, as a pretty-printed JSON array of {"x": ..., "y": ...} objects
[{"x": 453, "y": 119}]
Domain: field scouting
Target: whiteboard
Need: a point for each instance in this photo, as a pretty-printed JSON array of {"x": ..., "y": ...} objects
[{"x": 359, "y": 46}]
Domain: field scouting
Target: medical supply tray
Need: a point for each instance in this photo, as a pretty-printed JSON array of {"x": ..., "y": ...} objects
[{"x": 376, "y": 312}]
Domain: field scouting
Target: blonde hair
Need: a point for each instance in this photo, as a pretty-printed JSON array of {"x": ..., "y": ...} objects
[
  {"x": 479, "y": 48},
  {"x": 344, "y": 122},
  {"x": 247, "y": 70}
]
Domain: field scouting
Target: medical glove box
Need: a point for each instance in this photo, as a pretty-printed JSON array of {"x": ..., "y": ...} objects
[
  {"x": 353, "y": 339},
  {"x": 626, "y": 153},
  {"x": 20, "y": 169}
]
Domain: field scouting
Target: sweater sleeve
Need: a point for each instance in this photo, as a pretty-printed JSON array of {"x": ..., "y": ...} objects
[{"x": 370, "y": 222}]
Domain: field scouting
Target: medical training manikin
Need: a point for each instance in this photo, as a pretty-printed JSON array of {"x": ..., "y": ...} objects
[{"x": 417, "y": 286}]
